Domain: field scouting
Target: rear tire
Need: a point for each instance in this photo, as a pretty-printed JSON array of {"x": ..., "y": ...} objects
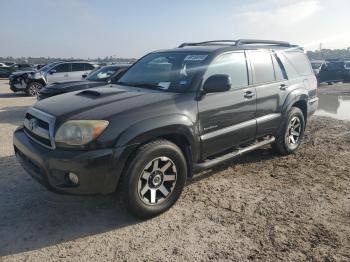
[
  {"x": 33, "y": 88},
  {"x": 154, "y": 179},
  {"x": 291, "y": 132}
]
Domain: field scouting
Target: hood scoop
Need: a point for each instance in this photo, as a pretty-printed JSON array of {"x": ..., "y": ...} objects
[
  {"x": 90, "y": 93},
  {"x": 99, "y": 92}
]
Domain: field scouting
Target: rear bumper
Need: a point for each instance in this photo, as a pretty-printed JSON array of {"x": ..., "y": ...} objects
[
  {"x": 313, "y": 104},
  {"x": 97, "y": 169}
]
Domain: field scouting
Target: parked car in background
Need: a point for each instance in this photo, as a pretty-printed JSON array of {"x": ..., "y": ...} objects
[
  {"x": 347, "y": 71},
  {"x": 332, "y": 72},
  {"x": 10, "y": 63},
  {"x": 317, "y": 65},
  {"x": 5, "y": 72},
  {"x": 98, "y": 77},
  {"x": 32, "y": 80},
  {"x": 173, "y": 113},
  {"x": 23, "y": 67},
  {"x": 3, "y": 65}
]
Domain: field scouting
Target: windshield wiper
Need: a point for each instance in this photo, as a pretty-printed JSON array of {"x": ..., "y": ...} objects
[{"x": 143, "y": 85}]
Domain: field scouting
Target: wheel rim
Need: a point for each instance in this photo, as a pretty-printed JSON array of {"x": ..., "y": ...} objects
[
  {"x": 157, "y": 181},
  {"x": 34, "y": 89},
  {"x": 294, "y": 131}
]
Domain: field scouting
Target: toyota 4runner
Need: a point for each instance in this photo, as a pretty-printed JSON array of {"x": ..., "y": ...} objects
[{"x": 173, "y": 113}]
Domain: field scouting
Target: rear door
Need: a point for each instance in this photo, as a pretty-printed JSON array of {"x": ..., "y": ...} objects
[
  {"x": 78, "y": 69},
  {"x": 227, "y": 119},
  {"x": 270, "y": 81},
  {"x": 59, "y": 73}
]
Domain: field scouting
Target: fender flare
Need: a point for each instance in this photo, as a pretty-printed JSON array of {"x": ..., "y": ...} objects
[
  {"x": 295, "y": 96},
  {"x": 160, "y": 126}
]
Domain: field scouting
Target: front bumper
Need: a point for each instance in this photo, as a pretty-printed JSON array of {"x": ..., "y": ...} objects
[
  {"x": 97, "y": 169},
  {"x": 16, "y": 85}
]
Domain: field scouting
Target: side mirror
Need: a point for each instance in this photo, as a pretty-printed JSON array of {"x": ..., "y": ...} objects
[
  {"x": 217, "y": 83},
  {"x": 52, "y": 71},
  {"x": 84, "y": 76}
]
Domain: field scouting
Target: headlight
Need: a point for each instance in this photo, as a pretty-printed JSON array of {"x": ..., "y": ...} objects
[
  {"x": 80, "y": 132},
  {"x": 34, "y": 75}
]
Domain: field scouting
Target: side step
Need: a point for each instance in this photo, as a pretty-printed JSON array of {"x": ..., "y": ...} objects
[{"x": 213, "y": 162}]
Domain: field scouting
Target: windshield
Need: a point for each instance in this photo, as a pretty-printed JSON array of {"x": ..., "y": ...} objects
[
  {"x": 47, "y": 67},
  {"x": 102, "y": 74},
  {"x": 172, "y": 71}
]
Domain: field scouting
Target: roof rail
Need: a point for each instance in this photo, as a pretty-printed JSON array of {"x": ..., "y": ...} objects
[
  {"x": 240, "y": 42},
  {"x": 226, "y": 42},
  {"x": 265, "y": 42}
]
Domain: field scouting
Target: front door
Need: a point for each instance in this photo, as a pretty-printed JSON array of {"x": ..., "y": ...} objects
[{"x": 227, "y": 119}]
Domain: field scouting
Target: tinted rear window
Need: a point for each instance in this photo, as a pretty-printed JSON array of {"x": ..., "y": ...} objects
[
  {"x": 77, "y": 67},
  {"x": 89, "y": 66},
  {"x": 280, "y": 72},
  {"x": 335, "y": 65},
  {"x": 300, "y": 62},
  {"x": 263, "y": 67}
]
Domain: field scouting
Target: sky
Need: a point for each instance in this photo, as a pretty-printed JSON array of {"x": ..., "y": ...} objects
[{"x": 132, "y": 28}]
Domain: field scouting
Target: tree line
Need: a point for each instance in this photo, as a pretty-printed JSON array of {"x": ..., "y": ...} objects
[
  {"x": 329, "y": 54},
  {"x": 313, "y": 55}
]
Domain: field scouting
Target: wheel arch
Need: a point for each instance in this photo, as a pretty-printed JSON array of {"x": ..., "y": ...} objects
[
  {"x": 297, "y": 98},
  {"x": 302, "y": 105}
]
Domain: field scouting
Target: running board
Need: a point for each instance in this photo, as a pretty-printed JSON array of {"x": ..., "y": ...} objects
[{"x": 219, "y": 160}]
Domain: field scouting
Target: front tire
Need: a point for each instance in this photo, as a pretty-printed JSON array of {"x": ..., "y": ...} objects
[
  {"x": 154, "y": 179},
  {"x": 33, "y": 88},
  {"x": 291, "y": 132}
]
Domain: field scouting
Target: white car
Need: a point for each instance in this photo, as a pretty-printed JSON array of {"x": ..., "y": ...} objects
[{"x": 32, "y": 81}]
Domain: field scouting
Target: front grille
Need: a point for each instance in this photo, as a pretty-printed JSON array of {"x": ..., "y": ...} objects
[{"x": 39, "y": 127}]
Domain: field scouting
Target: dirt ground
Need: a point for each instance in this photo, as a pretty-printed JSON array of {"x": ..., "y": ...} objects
[{"x": 260, "y": 207}]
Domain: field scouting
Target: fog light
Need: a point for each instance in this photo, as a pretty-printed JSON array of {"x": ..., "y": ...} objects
[{"x": 73, "y": 178}]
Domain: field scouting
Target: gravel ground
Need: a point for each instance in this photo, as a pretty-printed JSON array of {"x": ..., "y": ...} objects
[{"x": 259, "y": 207}]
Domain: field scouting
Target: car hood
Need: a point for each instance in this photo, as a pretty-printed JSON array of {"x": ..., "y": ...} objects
[
  {"x": 19, "y": 73},
  {"x": 103, "y": 102},
  {"x": 69, "y": 86}
]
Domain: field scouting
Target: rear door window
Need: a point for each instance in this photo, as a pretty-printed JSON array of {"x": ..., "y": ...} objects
[
  {"x": 300, "y": 62},
  {"x": 88, "y": 66},
  {"x": 280, "y": 72},
  {"x": 263, "y": 67},
  {"x": 77, "y": 67},
  {"x": 232, "y": 64}
]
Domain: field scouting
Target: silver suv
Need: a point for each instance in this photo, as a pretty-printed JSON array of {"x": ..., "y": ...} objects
[{"x": 32, "y": 81}]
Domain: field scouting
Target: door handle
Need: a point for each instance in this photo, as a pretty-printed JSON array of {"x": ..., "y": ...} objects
[
  {"x": 66, "y": 75},
  {"x": 249, "y": 94},
  {"x": 283, "y": 86}
]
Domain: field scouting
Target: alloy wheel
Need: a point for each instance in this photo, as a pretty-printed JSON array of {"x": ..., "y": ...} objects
[
  {"x": 157, "y": 181},
  {"x": 34, "y": 89},
  {"x": 294, "y": 131}
]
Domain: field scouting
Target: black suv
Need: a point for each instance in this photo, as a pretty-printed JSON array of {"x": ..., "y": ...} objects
[{"x": 173, "y": 113}]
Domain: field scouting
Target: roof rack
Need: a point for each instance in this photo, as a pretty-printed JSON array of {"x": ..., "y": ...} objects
[
  {"x": 226, "y": 42},
  {"x": 264, "y": 42},
  {"x": 239, "y": 42}
]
